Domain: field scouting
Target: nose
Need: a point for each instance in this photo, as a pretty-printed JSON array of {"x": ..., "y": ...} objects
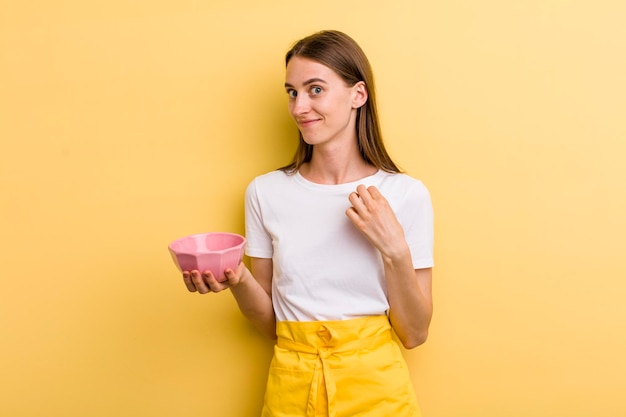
[{"x": 300, "y": 105}]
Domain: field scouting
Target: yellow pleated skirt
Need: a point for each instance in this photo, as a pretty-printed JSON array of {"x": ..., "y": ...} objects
[{"x": 346, "y": 368}]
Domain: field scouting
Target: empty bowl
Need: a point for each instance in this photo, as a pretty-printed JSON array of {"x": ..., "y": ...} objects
[{"x": 208, "y": 251}]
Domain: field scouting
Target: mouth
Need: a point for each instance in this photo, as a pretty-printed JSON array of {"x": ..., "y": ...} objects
[{"x": 307, "y": 123}]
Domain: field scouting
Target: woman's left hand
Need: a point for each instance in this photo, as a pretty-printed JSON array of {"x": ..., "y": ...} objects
[
  {"x": 374, "y": 217},
  {"x": 408, "y": 290}
]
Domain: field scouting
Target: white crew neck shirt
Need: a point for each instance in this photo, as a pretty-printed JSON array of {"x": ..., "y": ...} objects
[{"x": 324, "y": 268}]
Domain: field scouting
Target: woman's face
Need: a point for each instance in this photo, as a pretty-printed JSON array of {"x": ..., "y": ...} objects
[{"x": 320, "y": 102}]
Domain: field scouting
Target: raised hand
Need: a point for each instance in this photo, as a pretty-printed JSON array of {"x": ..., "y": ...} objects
[{"x": 374, "y": 217}]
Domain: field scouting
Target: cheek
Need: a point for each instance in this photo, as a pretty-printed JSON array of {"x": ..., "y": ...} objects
[
  {"x": 290, "y": 108},
  {"x": 325, "y": 106}
]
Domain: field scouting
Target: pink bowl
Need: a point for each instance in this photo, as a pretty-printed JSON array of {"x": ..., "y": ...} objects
[{"x": 213, "y": 251}]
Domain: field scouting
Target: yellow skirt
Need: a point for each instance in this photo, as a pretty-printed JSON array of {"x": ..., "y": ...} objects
[{"x": 346, "y": 368}]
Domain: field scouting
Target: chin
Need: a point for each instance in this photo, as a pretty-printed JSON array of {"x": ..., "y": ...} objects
[{"x": 309, "y": 140}]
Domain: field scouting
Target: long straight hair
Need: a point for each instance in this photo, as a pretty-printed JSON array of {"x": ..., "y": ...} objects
[{"x": 342, "y": 54}]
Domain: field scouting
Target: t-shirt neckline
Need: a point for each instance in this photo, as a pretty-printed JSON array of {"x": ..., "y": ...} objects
[{"x": 338, "y": 187}]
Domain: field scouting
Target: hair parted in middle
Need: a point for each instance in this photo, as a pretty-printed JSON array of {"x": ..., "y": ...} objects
[{"x": 342, "y": 54}]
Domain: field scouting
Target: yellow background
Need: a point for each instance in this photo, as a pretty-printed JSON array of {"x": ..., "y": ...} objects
[{"x": 125, "y": 125}]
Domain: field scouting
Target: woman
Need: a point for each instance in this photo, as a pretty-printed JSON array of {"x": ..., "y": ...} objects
[{"x": 340, "y": 245}]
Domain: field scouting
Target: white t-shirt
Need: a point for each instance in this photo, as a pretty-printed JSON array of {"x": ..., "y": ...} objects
[{"x": 324, "y": 268}]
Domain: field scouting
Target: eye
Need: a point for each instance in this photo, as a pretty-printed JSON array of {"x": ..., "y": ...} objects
[
  {"x": 292, "y": 93},
  {"x": 315, "y": 90}
]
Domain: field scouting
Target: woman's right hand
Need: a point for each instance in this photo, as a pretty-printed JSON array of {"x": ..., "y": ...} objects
[{"x": 205, "y": 282}]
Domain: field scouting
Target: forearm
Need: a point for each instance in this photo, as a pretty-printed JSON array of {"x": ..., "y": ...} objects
[
  {"x": 255, "y": 304},
  {"x": 409, "y": 297}
]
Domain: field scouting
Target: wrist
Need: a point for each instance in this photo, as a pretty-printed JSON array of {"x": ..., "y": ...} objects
[{"x": 395, "y": 255}]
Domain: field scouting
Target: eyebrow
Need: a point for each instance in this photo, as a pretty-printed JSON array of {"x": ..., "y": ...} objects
[{"x": 307, "y": 82}]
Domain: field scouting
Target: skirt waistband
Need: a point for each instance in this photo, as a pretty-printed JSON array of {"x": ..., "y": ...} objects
[{"x": 333, "y": 336}]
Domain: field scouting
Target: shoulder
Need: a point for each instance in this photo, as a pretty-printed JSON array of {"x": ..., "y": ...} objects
[
  {"x": 410, "y": 200},
  {"x": 273, "y": 181},
  {"x": 272, "y": 178},
  {"x": 403, "y": 184}
]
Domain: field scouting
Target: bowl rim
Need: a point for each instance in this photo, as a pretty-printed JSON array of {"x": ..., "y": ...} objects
[{"x": 238, "y": 246}]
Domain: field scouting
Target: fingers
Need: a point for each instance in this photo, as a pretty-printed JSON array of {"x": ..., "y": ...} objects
[
  {"x": 212, "y": 282},
  {"x": 359, "y": 212},
  {"x": 374, "y": 193},
  {"x": 371, "y": 213},
  {"x": 203, "y": 282},
  {"x": 229, "y": 274},
  {"x": 235, "y": 277},
  {"x": 206, "y": 282},
  {"x": 365, "y": 196},
  {"x": 366, "y": 199},
  {"x": 355, "y": 200},
  {"x": 188, "y": 282}
]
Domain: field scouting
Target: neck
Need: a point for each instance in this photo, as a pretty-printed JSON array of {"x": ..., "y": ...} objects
[{"x": 336, "y": 166}]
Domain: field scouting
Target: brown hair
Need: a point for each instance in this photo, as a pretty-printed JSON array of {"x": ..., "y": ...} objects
[{"x": 342, "y": 54}]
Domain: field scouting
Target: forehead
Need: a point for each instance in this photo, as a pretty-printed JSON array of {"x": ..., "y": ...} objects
[{"x": 300, "y": 70}]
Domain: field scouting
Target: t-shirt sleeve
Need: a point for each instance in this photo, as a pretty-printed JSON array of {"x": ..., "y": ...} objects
[
  {"x": 259, "y": 244},
  {"x": 419, "y": 228}
]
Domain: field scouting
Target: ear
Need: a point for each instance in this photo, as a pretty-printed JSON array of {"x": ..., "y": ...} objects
[{"x": 359, "y": 97}]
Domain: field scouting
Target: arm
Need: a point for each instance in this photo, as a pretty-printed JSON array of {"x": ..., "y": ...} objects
[
  {"x": 255, "y": 296},
  {"x": 410, "y": 300},
  {"x": 252, "y": 291},
  {"x": 409, "y": 290}
]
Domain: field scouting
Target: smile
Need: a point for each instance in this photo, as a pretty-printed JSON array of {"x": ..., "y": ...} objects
[{"x": 307, "y": 123}]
